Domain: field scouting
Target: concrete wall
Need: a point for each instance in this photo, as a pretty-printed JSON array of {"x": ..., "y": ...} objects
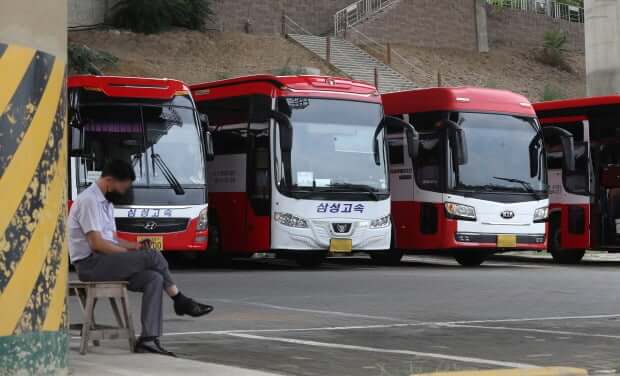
[
  {"x": 525, "y": 29},
  {"x": 265, "y": 16},
  {"x": 424, "y": 23},
  {"x": 603, "y": 47},
  {"x": 33, "y": 168},
  {"x": 88, "y": 12}
]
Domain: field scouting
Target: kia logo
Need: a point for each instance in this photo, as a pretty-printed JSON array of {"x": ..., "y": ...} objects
[
  {"x": 508, "y": 214},
  {"x": 150, "y": 226},
  {"x": 341, "y": 228}
]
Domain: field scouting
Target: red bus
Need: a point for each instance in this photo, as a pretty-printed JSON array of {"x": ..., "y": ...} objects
[
  {"x": 479, "y": 183},
  {"x": 585, "y": 203},
  {"x": 300, "y": 168},
  {"x": 152, "y": 124}
]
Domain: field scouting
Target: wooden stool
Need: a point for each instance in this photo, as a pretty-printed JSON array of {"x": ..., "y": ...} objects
[{"x": 88, "y": 293}]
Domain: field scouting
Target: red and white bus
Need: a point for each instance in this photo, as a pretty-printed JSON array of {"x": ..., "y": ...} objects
[
  {"x": 153, "y": 124},
  {"x": 300, "y": 168},
  {"x": 585, "y": 202},
  {"x": 479, "y": 183}
]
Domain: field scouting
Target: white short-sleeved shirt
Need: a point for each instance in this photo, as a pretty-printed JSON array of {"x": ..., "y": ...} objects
[{"x": 91, "y": 211}]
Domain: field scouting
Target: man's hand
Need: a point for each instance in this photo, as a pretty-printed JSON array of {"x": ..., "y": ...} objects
[
  {"x": 146, "y": 244},
  {"x": 99, "y": 244}
]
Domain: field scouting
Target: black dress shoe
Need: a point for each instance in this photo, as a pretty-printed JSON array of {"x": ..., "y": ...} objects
[
  {"x": 187, "y": 306},
  {"x": 152, "y": 346}
]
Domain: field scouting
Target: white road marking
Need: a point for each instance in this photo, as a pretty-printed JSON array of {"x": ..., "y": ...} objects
[
  {"x": 532, "y": 330},
  {"x": 330, "y": 345},
  {"x": 388, "y": 326},
  {"x": 322, "y": 312}
]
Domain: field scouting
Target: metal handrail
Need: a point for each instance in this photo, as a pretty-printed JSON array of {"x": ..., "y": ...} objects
[
  {"x": 296, "y": 25},
  {"x": 383, "y": 48},
  {"x": 357, "y": 12},
  {"x": 551, "y": 8}
]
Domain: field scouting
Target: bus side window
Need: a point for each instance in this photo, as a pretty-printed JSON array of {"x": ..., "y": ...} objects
[{"x": 578, "y": 181}]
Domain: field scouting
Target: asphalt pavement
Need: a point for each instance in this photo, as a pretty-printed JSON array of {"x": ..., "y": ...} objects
[{"x": 351, "y": 317}]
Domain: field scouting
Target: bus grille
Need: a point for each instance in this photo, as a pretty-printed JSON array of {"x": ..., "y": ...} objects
[{"x": 151, "y": 225}]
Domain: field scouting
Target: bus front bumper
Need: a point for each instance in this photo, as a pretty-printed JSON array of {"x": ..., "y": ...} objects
[{"x": 319, "y": 237}]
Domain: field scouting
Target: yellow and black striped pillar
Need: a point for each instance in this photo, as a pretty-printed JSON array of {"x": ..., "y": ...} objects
[{"x": 33, "y": 181}]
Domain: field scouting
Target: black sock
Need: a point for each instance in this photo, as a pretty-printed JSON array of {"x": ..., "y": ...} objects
[
  {"x": 147, "y": 339},
  {"x": 179, "y": 297}
]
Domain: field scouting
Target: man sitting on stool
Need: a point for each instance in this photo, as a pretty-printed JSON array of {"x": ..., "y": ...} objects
[{"x": 99, "y": 255}]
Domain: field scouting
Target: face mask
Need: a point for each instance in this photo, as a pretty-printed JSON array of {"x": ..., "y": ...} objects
[{"x": 114, "y": 197}]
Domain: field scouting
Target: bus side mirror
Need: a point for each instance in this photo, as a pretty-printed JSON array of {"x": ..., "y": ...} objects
[
  {"x": 209, "y": 150},
  {"x": 285, "y": 129},
  {"x": 458, "y": 141},
  {"x": 413, "y": 137},
  {"x": 534, "y": 149},
  {"x": 568, "y": 146},
  {"x": 204, "y": 120}
]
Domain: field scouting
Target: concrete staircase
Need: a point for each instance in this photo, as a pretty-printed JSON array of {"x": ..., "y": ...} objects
[{"x": 354, "y": 62}]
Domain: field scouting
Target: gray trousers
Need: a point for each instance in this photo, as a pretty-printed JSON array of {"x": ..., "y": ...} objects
[{"x": 146, "y": 272}]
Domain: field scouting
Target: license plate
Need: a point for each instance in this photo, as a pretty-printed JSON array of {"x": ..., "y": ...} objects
[
  {"x": 157, "y": 242},
  {"x": 341, "y": 246},
  {"x": 506, "y": 241}
]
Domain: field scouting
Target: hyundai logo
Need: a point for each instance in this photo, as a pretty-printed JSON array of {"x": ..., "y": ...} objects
[
  {"x": 150, "y": 226},
  {"x": 508, "y": 214},
  {"x": 341, "y": 228}
]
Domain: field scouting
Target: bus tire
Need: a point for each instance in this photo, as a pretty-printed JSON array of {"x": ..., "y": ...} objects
[
  {"x": 311, "y": 260},
  {"x": 563, "y": 256},
  {"x": 387, "y": 258},
  {"x": 470, "y": 259}
]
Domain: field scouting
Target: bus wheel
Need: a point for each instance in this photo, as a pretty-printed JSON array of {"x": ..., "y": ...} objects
[
  {"x": 470, "y": 259},
  {"x": 563, "y": 256},
  {"x": 387, "y": 258},
  {"x": 310, "y": 260}
]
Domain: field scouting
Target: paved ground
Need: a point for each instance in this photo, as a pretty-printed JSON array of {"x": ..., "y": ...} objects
[{"x": 353, "y": 318}]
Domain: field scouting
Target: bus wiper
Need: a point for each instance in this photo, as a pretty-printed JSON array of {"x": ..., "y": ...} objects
[
  {"x": 172, "y": 180},
  {"x": 526, "y": 185}
]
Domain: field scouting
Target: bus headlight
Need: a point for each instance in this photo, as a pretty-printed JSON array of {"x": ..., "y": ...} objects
[
  {"x": 459, "y": 211},
  {"x": 290, "y": 220},
  {"x": 541, "y": 214},
  {"x": 380, "y": 222},
  {"x": 203, "y": 220}
]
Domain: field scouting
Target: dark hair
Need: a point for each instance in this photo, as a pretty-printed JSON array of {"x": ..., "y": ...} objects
[{"x": 119, "y": 170}]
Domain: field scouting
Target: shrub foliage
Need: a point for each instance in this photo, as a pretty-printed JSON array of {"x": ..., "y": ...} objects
[
  {"x": 154, "y": 16},
  {"x": 84, "y": 60}
]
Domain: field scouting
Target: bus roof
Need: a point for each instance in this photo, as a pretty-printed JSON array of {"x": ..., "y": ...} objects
[
  {"x": 577, "y": 108},
  {"x": 300, "y": 85},
  {"x": 130, "y": 87},
  {"x": 456, "y": 99}
]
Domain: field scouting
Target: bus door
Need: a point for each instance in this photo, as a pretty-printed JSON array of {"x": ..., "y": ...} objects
[
  {"x": 239, "y": 192},
  {"x": 569, "y": 196},
  {"x": 606, "y": 185},
  {"x": 259, "y": 176}
]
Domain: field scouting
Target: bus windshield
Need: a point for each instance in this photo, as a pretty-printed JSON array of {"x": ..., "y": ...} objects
[
  {"x": 161, "y": 140},
  {"x": 498, "y": 157},
  {"x": 333, "y": 145}
]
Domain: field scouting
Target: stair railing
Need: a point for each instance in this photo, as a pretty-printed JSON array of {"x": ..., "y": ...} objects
[
  {"x": 289, "y": 23},
  {"x": 389, "y": 53},
  {"x": 357, "y": 12}
]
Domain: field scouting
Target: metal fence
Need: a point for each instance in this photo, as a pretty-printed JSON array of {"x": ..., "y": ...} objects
[
  {"x": 357, "y": 12},
  {"x": 550, "y": 8}
]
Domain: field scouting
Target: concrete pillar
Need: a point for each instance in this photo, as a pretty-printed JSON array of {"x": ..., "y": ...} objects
[
  {"x": 482, "y": 35},
  {"x": 602, "y": 30},
  {"x": 33, "y": 170}
]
